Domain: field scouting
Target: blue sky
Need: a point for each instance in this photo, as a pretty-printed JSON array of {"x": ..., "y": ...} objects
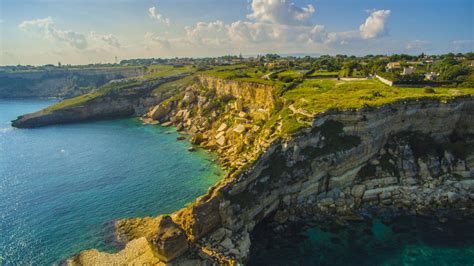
[{"x": 91, "y": 31}]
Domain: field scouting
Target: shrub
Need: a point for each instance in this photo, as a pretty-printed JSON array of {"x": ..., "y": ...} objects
[
  {"x": 286, "y": 79},
  {"x": 429, "y": 90}
]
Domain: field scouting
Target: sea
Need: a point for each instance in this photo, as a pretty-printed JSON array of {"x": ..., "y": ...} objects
[{"x": 61, "y": 187}]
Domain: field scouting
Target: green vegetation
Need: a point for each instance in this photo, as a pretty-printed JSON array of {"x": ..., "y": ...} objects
[
  {"x": 175, "y": 85},
  {"x": 113, "y": 88},
  {"x": 323, "y": 74},
  {"x": 73, "y": 101},
  {"x": 159, "y": 71},
  {"x": 319, "y": 95},
  {"x": 240, "y": 73}
]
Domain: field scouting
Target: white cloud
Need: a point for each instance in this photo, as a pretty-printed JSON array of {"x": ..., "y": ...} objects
[
  {"x": 280, "y": 12},
  {"x": 273, "y": 25},
  {"x": 47, "y": 29},
  {"x": 155, "y": 15},
  {"x": 416, "y": 45},
  {"x": 153, "y": 41},
  {"x": 104, "y": 40},
  {"x": 374, "y": 25},
  {"x": 244, "y": 31},
  {"x": 207, "y": 33}
]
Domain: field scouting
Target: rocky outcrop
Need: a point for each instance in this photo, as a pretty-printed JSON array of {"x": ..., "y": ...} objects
[
  {"x": 63, "y": 83},
  {"x": 222, "y": 115},
  {"x": 253, "y": 96},
  {"x": 132, "y": 100},
  {"x": 414, "y": 156}
]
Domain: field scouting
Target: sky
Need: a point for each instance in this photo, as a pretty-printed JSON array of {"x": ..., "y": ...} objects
[{"x": 40, "y": 32}]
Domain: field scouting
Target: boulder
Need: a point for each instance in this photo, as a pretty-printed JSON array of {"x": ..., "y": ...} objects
[
  {"x": 221, "y": 141},
  {"x": 242, "y": 114},
  {"x": 170, "y": 241},
  {"x": 189, "y": 97},
  {"x": 222, "y": 127},
  {"x": 239, "y": 128},
  {"x": 197, "y": 139},
  {"x": 227, "y": 243},
  {"x": 158, "y": 112},
  {"x": 358, "y": 191}
]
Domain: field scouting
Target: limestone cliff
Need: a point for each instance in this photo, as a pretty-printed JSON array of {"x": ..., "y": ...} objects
[
  {"x": 413, "y": 156},
  {"x": 126, "y": 100},
  {"x": 64, "y": 83}
]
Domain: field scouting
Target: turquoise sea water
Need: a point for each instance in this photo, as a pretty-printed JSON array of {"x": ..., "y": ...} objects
[
  {"x": 417, "y": 241},
  {"x": 61, "y": 185}
]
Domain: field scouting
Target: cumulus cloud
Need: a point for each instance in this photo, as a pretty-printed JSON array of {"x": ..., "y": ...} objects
[
  {"x": 280, "y": 12},
  {"x": 47, "y": 29},
  {"x": 374, "y": 25},
  {"x": 272, "y": 25},
  {"x": 157, "y": 16},
  {"x": 244, "y": 31},
  {"x": 207, "y": 33},
  {"x": 107, "y": 39}
]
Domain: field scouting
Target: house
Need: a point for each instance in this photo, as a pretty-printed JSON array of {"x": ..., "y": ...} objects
[
  {"x": 393, "y": 65},
  {"x": 408, "y": 70},
  {"x": 431, "y": 75}
]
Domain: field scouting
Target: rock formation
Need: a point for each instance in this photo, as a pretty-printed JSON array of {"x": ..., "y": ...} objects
[
  {"x": 132, "y": 100},
  {"x": 413, "y": 156},
  {"x": 63, "y": 83}
]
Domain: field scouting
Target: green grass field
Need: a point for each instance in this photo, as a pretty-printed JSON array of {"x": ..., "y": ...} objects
[{"x": 316, "y": 96}]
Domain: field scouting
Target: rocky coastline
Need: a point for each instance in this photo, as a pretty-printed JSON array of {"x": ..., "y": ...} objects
[
  {"x": 131, "y": 101},
  {"x": 408, "y": 157},
  {"x": 60, "y": 83}
]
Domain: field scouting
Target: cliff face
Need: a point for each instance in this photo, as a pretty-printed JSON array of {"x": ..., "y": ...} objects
[
  {"x": 222, "y": 115},
  {"x": 414, "y": 156},
  {"x": 133, "y": 100},
  {"x": 253, "y": 96},
  {"x": 60, "y": 83}
]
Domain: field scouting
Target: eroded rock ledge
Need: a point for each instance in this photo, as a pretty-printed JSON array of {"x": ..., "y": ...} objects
[
  {"x": 133, "y": 100},
  {"x": 413, "y": 156}
]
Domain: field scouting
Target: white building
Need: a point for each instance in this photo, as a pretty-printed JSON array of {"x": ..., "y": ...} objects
[
  {"x": 408, "y": 70},
  {"x": 431, "y": 76}
]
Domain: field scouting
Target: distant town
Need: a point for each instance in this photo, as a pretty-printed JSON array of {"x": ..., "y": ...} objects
[{"x": 450, "y": 70}]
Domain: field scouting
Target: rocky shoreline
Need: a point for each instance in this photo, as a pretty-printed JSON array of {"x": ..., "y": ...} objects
[
  {"x": 135, "y": 100},
  {"x": 411, "y": 157}
]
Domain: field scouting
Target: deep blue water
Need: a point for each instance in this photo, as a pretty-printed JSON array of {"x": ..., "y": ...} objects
[{"x": 61, "y": 185}]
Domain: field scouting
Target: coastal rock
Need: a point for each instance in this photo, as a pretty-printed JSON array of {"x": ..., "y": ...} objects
[
  {"x": 239, "y": 129},
  {"x": 170, "y": 240},
  {"x": 221, "y": 141},
  {"x": 345, "y": 164},
  {"x": 222, "y": 127}
]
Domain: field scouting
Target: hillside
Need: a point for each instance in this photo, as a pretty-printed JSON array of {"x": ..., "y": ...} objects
[
  {"x": 63, "y": 83},
  {"x": 300, "y": 150}
]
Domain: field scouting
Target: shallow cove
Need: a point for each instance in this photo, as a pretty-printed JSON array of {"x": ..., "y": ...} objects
[{"x": 61, "y": 185}]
